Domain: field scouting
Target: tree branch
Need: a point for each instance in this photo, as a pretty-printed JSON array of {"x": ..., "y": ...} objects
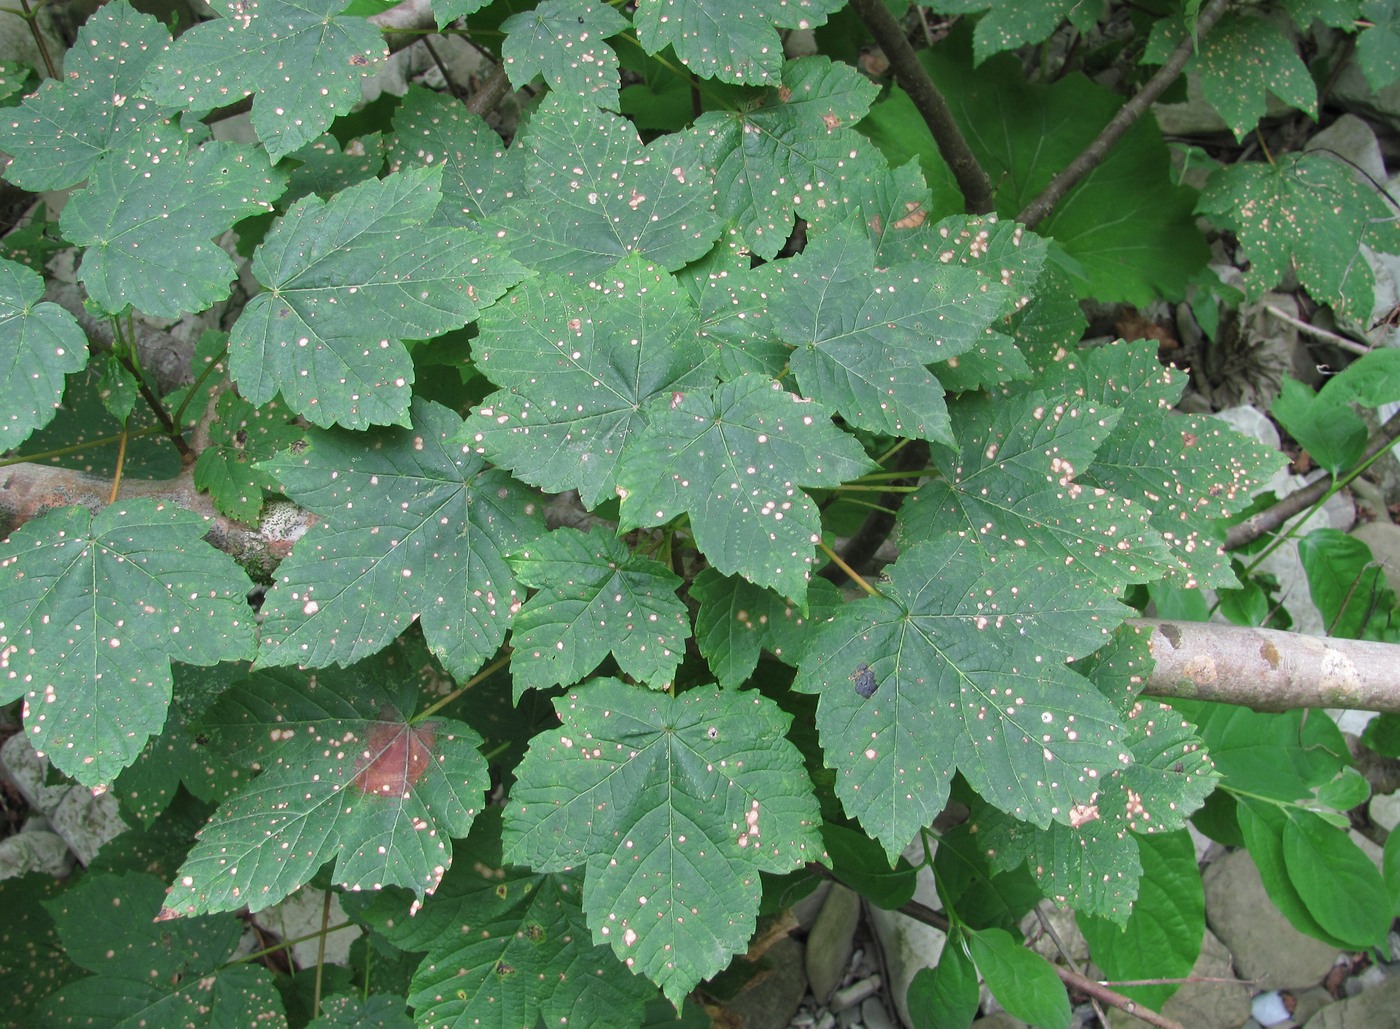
[
  {"x": 1256, "y": 668},
  {"x": 911, "y": 75},
  {"x": 1092, "y": 155},
  {"x": 1267, "y": 670},
  {"x": 29, "y": 490},
  {"x": 1299, "y": 501}
]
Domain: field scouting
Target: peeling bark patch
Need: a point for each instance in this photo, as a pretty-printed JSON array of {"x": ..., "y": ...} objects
[
  {"x": 1270, "y": 654},
  {"x": 1172, "y": 633}
]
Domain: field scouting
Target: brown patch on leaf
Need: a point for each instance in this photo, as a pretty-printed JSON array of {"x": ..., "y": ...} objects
[
  {"x": 832, "y": 122},
  {"x": 916, "y": 216},
  {"x": 395, "y": 756}
]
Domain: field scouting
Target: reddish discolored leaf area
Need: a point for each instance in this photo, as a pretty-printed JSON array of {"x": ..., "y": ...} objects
[{"x": 394, "y": 758}]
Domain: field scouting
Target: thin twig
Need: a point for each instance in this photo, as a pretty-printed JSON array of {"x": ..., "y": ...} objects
[
  {"x": 1298, "y": 501},
  {"x": 442, "y": 69},
  {"x": 1093, "y": 155},
  {"x": 877, "y": 526},
  {"x": 972, "y": 179},
  {"x": 851, "y": 573},
  {"x": 1318, "y": 333},
  {"x": 321, "y": 952},
  {"x": 32, "y": 17},
  {"x": 491, "y": 93}
]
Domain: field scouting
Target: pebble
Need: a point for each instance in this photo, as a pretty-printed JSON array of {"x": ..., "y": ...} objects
[{"x": 852, "y": 995}]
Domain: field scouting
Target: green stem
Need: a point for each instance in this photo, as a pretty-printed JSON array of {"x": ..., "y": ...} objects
[
  {"x": 77, "y": 448},
  {"x": 323, "y": 932},
  {"x": 491, "y": 669}
]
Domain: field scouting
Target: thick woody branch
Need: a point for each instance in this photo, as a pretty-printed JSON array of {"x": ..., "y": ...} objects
[
  {"x": 1267, "y": 670},
  {"x": 911, "y": 75},
  {"x": 1092, "y": 155},
  {"x": 29, "y": 490},
  {"x": 1256, "y": 668}
]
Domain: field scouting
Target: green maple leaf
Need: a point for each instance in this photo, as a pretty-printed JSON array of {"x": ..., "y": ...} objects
[
  {"x": 623, "y": 340},
  {"x": 864, "y": 334},
  {"x": 345, "y": 774},
  {"x": 412, "y": 527},
  {"x": 728, "y": 40},
  {"x": 344, "y": 290},
  {"x": 241, "y": 436},
  {"x": 674, "y": 805},
  {"x": 793, "y": 154},
  {"x": 1092, "y": 865},
  {"x": 732, "y": 299},
  {"x": 595, "y": 597},
  {"x": 1190, "y": 472},
  {"x": 734, "y": 459},
  {"x": 958, "y": 667},
  {"x": 1009, "y": 24},
  {"x": 737, "y": 620},
  {"x": 1307, "y": 213},
  {"x": 40, "y": 344},
  {"x": 562, "y": 40},
  {"x": 479, "y": 176},
  {"x": 1378, "y": 47},
  {"x": 148, "y": 217},
  {"x": 57, "y": 136},
  {"x": 377, "y": 1011},
  {"x": 493, "y": 932},
  {"x": 1241, "y": 61},
  {"x": 304, "y": 63},
  {"x": 94, "y": 610},
  {"x": 176, "y": 756},
  {"x": 1015, "y": 477},
  {"x": 151, "y": 974},
  {"x": 448, "y": 11},
  {"x": 595, "y": 194}
]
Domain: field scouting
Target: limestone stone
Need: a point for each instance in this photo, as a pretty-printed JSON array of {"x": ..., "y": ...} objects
[
  {"x": 1264, "y": 944},
  {"x": 830, "y": 943},
  {"x": 1377, "y": 1008},
  {"x": 1203, "y": 1005}
]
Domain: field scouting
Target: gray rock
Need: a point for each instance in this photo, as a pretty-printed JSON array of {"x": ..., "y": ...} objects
[
  {"x": 1377, "y": 1008},
  {"x": 1385, "y": 811},
  {"x": 1352, "y": 139},
  {"x": 873, "y": 1014},
  {"x": 829, "y": 945},
  {"x": 27, "y": 771},
  {"x": 1384, "y": 541},
  {"x": 86, "y": 822},
  {"x": 1202, "y": 1005},
  {"x": 908, "y": 946},
  {"x": 771, "y": 997},
  {"x": 1265, "y": 946},
  {"x": 38, "y": 851}
]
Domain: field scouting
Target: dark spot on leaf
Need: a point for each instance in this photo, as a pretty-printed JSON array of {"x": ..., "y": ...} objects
[
  {"x": 394, "y": 758},
  {"x": 359, "y": 60},
  {"x": 504, "y": 969},
  {"x": 865, "y": 682},
  {"x": 534, "y": 932}
]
